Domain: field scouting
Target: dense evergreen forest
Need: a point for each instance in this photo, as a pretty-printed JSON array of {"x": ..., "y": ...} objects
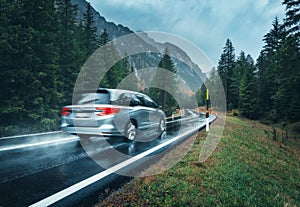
[
  {"x": 43, "y": 46},
  {"x": 270, "y": 88}
]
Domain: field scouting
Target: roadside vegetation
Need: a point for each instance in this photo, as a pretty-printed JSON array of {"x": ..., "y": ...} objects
[{"x": 248, "y": 168}]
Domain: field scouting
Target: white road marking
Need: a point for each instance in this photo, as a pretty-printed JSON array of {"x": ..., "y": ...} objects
[
  {"x": 38, "y": 144},
  {"x": 29, "y": 135},
  {"x": 78, "y": 186}
]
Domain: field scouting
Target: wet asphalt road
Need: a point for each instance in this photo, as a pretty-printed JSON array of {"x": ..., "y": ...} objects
[{"x": 33, "y": 168}]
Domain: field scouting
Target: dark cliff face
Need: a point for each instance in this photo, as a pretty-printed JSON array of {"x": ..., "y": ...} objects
[{"x": 101, "y": 23}]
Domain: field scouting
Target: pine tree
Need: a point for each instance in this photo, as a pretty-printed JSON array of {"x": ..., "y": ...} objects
[
  {"x": 263, "y": 83},
  {"x": 292, "y": 20},
  {"x": 167, "y": 82},
  {"x": 237, "y": 74},
  {"x": 104, "y": 38},
  {"x": 119, "y": 70},
  {"x": 90, "y": 31},
  {"x": 44, "y": 99},
  {"x": 11, "y": 103},
  {"x": 71, "y": 56},
  {"x": 248, "y": 105},
  {"x": 288, "y": 94},
  {"x": 268, "y": 67},
  {"x": 286, "y": 98},
  {"x": 274, "y": 38},
  {"x": 225, "y": 69},
  {"x": 201, "y": 95}
]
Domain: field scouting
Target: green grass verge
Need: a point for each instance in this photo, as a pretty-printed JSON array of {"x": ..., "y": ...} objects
[{"x": 248, "y": 168}]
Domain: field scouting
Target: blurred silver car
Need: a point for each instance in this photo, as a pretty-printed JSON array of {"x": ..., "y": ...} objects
[{"x": 112, "y": 112}]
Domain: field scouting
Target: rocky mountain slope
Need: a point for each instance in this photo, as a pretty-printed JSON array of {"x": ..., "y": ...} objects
[{"x": 186, "y": 69}]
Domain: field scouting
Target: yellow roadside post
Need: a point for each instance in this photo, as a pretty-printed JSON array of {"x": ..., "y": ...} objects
[{"x": 207, "y": 111}]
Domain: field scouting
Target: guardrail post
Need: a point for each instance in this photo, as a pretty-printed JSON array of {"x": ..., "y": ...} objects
[{"x": 207, "y": 121}]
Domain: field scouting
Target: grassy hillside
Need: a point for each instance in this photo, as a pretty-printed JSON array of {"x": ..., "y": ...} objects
[{"x": 248, "y": 168}]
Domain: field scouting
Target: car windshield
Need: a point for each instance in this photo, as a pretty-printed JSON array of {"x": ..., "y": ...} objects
[{"x": 93, "y": 98}]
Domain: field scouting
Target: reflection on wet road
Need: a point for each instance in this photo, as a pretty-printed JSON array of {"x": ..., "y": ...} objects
[{"x": 33, "y": 172}]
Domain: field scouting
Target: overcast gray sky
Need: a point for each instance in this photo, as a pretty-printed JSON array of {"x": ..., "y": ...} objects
[{"x": 206, "y": 23}]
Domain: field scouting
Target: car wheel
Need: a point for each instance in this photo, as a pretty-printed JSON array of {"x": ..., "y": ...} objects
[
  {"x": 162, "y": 125},
  {"x": 130, "y": 131}
]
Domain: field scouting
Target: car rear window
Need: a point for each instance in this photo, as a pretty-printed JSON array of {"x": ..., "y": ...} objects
[{"x": 93, "y": 98}]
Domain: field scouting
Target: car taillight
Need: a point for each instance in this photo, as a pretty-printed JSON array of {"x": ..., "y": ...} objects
[
  {"x": 103, "y": 111},
  {"x": 65, "y": 111}
]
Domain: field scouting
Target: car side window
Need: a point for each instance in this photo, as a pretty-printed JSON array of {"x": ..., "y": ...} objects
[
  {"x": 141, "y": 99},
  {"x": 148, "y": 102},
  {"x": 135, "y": 101},
  {"x": 124, "y": 99}
]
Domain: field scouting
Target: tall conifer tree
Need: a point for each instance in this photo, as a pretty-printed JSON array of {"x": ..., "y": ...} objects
[
  {"x": 71, "y": 56},
  {"x": 268, "y": 67},
  {"x": 237, "y": 74},
  {"x": 90, "y": 31},
  {"x": 225, "y": 69},
  {"x": 292, "y": 20},
  {"x": 166, "y": 81},
  {"x": 248, "y": 105}
]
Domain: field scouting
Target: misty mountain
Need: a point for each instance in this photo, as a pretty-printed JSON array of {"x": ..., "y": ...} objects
[
  {"x": 101, "y": 23},
  {"x": 186, "y": 69}
]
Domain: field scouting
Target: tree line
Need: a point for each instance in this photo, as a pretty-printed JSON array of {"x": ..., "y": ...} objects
[
  {"x": 268, "y": 89},
  {"x": 43, "y": 45}
]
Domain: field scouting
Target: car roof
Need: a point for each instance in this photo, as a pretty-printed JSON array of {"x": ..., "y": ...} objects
[
  {"x": 108, "y": 90},
  {"x": 113, "y": 92}
]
